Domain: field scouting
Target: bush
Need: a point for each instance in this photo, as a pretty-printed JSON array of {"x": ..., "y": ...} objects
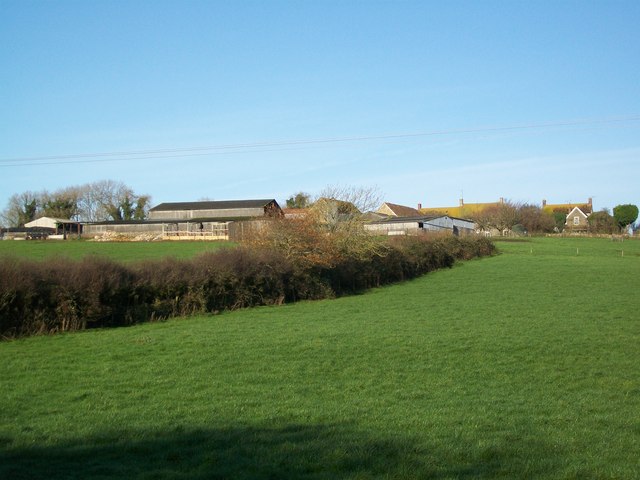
[
  {"x": 62, "y": 295},
  {"x": 602, "y": 222},
  {"x": 58, "y": 295},
  {"x": 625, "y": 215}
]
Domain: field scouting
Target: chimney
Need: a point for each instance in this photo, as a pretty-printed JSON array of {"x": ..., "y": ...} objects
[
  {"x": 462, "y": 202},
  {"x": 544, "y": 202},
  {"x": 590, "y": 202},
  {"x": 419, "y": 206},
  {"x": 501, "y": 199}
]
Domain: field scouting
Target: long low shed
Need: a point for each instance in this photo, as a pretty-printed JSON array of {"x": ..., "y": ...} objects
[
  {"x": 197, "y": 229},
  {"x": 202, "y": 227},
  {"x": 414, "y": 225}
]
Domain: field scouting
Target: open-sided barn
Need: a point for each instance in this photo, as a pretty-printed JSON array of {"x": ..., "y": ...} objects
[{"x": 211, "y": 219}]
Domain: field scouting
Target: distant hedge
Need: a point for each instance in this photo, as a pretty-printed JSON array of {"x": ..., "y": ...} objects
[{"x": 63, "y": 295}]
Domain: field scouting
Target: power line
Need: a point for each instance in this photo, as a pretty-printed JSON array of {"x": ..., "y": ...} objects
[
  {"x": 152, "y": 157},
  {"x": 94, "y": 157}
]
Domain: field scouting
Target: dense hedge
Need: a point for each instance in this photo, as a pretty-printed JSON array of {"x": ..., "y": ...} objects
[{"x": 63, "y": 295}]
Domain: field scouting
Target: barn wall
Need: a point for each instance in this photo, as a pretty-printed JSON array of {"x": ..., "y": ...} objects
[
  {"x": 154, "y": 227},
  {"x": 464, "y": 224},
  {"x": 582, "y": 225},
  {"x": 389, "y": 227},
  {"x": 412, "y": 227},
  {"x": 188, "y": 214},
  {"x": 123, "y": 228}
]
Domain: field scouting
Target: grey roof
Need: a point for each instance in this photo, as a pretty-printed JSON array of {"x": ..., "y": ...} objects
[
  {"x": 217, "y": 205},
  {"x": 171, "y": 221},
  {"x": 421, "y": 218},
  {"x": 418, "y": 218},
  {"x": 463, "y": 219}
]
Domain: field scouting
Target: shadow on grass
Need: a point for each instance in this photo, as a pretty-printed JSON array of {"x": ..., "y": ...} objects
[{"x": 297, "y": 451}]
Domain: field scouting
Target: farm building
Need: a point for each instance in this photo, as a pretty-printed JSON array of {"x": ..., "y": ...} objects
[
  {"x": 49, "y": 227},
  {"x": 58, "y": 226},
  {"x": 42, "y": 228},
  {"x": 219, "y": 220},
  {"x": 22, "y": 233},
  {"x": 394, "y": 210},
  {"x": 577, "y": 221},
  {"x": 464, "y": 209},
  {"x": 461, "y": 211},
  {"x": 565, "y": 208},
  {"x": 231, "y": 209},
  {"x": 420, "y": 224}
]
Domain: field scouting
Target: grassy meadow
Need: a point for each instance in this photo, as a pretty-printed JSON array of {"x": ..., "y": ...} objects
[
  {"x": 121, "y": 251},
  {"x": 523, "y": 365}
]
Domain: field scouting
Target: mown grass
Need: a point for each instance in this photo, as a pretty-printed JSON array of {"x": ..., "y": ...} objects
[
  {"x": 121, "y": 251},
  {"x": 523, "y": 365}
]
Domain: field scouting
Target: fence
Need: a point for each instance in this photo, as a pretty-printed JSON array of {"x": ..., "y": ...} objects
[{"x": 197, "y": 231}]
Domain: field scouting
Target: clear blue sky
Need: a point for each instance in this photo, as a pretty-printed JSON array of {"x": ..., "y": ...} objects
[{"x": 90, "y": 77}]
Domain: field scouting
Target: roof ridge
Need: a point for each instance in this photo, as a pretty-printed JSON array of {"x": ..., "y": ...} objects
[{"x": 212, "y": 204}]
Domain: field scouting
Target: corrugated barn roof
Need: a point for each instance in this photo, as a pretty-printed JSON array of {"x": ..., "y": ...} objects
[{"x": 216, "y": 205}]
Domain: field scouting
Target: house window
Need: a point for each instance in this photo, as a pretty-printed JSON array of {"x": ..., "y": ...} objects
[{"x": 576, "y": 220}]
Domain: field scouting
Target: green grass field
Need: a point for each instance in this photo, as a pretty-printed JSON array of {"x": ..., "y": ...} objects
[
  {"x": 122, "y": 251},
  {"x": 524, "y": 365}
]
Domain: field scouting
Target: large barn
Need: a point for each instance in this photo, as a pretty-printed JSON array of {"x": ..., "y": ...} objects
[{"x": 227, "y": 209}]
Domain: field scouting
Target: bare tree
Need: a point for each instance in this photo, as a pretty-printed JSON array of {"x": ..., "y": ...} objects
[
  {"x": 21, "y": 208},
  {"x": 108, "y": 195},
  {"x": 111, "y": 200},
  {"x": 89, "y": 205},
  {"x": 502, "y": 216},
  {"x": 535, "y": 220},
  {"x": 339, "y": 210},
  {"x": 103, "y": 200},
  {"x": 365, "y": 199}
]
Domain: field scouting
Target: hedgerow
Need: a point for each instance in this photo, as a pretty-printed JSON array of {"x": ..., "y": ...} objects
[{"x": 62, "y": 295}]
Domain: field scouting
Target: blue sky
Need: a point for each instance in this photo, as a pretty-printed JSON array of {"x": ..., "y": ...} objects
[{"x": 295, "y": 96}]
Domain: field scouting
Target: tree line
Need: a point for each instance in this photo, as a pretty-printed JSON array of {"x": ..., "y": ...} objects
[{"x": 92, "y": 202}]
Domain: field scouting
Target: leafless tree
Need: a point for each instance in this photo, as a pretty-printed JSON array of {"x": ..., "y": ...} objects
[
  {"x": 112, "y": 200},
  {"x": 21, "y": 209},
  {"x": 102, "y": 200},
  {"x": 365, "y": 199},
  {"x": 502, "y": 216},
  {"x": 536, "y": 220}
]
